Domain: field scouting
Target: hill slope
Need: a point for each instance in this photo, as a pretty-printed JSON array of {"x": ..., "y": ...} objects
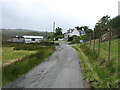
[{"x": 8, "y": 33}]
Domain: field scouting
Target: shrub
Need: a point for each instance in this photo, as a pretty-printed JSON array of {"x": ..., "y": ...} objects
[{"x": 70, "y": 38}]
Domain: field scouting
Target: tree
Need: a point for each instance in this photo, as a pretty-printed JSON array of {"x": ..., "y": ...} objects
[
  {"x": 97, "y": 31},
  {"x": 58, "y": 31},
  {"x": 115, "y": 24},
  {"x": 84, "y": 29},
  {"x": 100, "y": 28},
  {"x": 88, "y": 32},
  {"x": 113, "y": 30}
]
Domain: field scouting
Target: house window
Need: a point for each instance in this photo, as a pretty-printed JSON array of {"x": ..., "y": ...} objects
[{"x": 33, "y": 39}]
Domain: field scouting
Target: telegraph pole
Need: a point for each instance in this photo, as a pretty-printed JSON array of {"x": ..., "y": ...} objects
[{"x": 53, "y": 30}]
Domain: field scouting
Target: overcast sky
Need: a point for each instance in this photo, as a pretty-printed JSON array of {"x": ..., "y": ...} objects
[{"x": 40, "y": 14}]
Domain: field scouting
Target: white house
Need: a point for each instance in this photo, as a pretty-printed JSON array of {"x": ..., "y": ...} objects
[
  {"x": 73, "y": 32},
  {"x": 27, "y": 39}
]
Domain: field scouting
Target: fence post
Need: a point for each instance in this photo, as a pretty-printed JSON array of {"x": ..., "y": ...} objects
[
  {"x": 94, "y": 42},
  {"x": 99, "y": 47},
  {"x": 109, "y": 29}
]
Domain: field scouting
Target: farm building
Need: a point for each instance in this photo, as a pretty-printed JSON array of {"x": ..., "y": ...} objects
[{"x": 27, "y": 39}]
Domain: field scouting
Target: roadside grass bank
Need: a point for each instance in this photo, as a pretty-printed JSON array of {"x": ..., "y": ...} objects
[
  {"x": 98, "y": 72},
  {"x": 20, "y": 67},
  {"x": 73, "y": 42}
]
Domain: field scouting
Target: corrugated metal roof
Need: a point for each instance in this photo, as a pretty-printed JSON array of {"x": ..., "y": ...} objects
[{"x": 33, "y": 36}]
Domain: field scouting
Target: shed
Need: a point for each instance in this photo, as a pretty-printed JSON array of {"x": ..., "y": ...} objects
[
  {"x": 33, "y": 39},
  {"x": 27, "y": 39}
]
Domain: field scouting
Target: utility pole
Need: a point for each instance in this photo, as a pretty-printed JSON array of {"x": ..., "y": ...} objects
[{"x": 53, "y": 30}]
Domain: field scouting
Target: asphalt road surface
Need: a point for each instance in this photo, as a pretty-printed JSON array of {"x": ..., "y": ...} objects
[{"x": 61, "y": 70}]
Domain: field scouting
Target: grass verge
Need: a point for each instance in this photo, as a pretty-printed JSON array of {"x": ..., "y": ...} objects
[
  {"x": 20, "y": 67},
  {"x": 98, "y": 74}
]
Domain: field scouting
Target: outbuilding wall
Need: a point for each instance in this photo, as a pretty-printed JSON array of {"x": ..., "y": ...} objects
[
  {"x": 17, "y": 39},
  {"x": 30, "y": 40}
]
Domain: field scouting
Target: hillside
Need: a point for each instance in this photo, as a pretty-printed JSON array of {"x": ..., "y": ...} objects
[{"x": 8, "y": 33}]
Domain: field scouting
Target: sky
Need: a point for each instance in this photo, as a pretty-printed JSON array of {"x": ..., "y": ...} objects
[{"x": 40, "y": 14}]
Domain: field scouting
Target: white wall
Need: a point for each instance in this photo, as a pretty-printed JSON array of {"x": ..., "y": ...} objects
[
  {"x": 30, "y": 40},
  {"x": 17, "y": 40},
  {"x": 75, "y": 32}
]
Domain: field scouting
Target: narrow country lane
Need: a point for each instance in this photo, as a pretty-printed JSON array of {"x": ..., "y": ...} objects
[{"x": 61, "y": 70}]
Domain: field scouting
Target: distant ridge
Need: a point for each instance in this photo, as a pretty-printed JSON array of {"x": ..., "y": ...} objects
[{"x": 8, "y": 33}]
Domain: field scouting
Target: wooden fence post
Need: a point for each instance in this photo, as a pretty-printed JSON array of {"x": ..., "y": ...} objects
[
  {"x": 99, "y": 47},
  {"x": 109, "y": 45},
  {"x": 94, "y": 42}
]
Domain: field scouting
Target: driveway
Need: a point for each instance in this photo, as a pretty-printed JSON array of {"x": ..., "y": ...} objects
[{"x": 61, "y": 70}]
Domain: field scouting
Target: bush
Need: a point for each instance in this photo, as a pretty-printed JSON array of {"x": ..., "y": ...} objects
[
  {"x": 47, "y": 43},
  {"x": 27, "y": 47},
  {"x": 70, "y": 38}
]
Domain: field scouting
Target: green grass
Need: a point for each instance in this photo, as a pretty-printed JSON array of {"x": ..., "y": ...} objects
[
  {"x": 104, "y": 49},
  {"x": 89, "y": 75},
  {"x": 73, "y": 42},
  {"x": 15, "y": 70},
  {"x": 9, "y": 54},
  {"x": 97, "y": 71}
]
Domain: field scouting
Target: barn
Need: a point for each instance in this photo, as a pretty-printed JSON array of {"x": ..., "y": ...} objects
[{"x": 27, "y": 39}]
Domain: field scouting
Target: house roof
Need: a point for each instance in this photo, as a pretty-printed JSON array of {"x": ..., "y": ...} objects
[
  {"x": 20, "y": 36},
  {"x": 70, "y": 31}
]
